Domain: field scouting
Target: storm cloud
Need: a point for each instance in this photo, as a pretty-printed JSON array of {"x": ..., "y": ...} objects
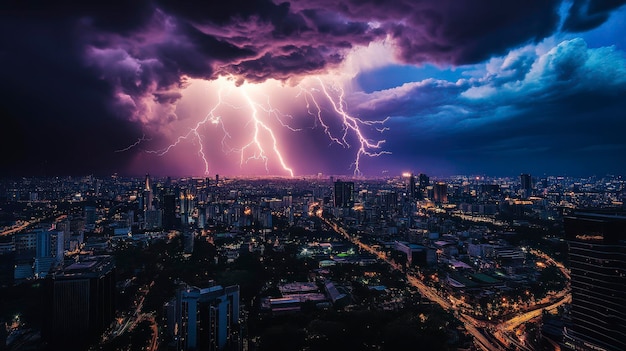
[
  {"x": 122, "y": 66},
  {"x": 556, "y": 108}
]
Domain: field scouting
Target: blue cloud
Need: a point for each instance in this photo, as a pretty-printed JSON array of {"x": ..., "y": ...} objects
[{"x": 563, "y": 107}]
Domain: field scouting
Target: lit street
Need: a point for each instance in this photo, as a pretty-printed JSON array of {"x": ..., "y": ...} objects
[{"x": 486, "y": 339}]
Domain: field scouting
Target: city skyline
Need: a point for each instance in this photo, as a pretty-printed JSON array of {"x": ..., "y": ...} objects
[
  {"x": 115, "y": 262},
  {"x": 301, "y": 87}
]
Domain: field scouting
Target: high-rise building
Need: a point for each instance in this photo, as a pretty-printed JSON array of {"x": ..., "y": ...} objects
[
  {"x": 81, "y": 303},
  {"x": 411, "y": 186},
  {"x": 205, "y": 318},
  {"x": 27, "y": 242},
  {"x": 153, "y": 219},
  {"x": 344, "y": 194},
  {"x": 49, "y": 252},
  {"x": 597, "y": 255},
  {"x": 526, "y": 184},
  {"x": 90, "y": 215},
  {"x": 423, "y": 181},
  {"x": 147, "y": 194},
  {"x": 440, "y": 192},
  {"x": 169, "y": 212}
]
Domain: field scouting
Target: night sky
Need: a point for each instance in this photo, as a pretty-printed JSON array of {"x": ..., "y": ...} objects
[{"x": 367, "y": 87}]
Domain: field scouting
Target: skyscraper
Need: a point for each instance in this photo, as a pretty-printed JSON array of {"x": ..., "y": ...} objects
[
  {"x": 423, "y": 181},
  {"x": 410, "y": 185},
  {"x": 526, "y": 184},
  {"x": 49, "y": 252},
  {"x": 90, "y": 214},
  {"x": 147, "y": 194},
  {"x": 440, "y": 192},
  {"x": 81, "y": 303},
  {"x": 205, "y": 319},
  {"x": 169, "y": 212},
  {"x": 344, "y": 194},
  {"x": 597, "y": 254}
]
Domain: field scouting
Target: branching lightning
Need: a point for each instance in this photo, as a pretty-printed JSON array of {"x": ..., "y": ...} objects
[
  {"x": 256, "y": 141},
  {"x": 350, "y": 124},
  {"x": 320, "y": 101},
  {"x": 139, "y": 141},
  {"x": 194, "y": 133}
]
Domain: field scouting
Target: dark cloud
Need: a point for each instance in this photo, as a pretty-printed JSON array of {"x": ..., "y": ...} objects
[
  {"x": 560, "y": 110},
  {"x": 119, "y": 67},
  {"x": 452, "y": 31},
  {"x": 584, "y": 15},
  {"x": 56, "y": 117}
]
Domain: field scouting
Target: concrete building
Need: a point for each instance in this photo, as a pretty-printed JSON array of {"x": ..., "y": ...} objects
[
  {"x": 81, "y": 303},
  {"x": 417, "y": 254},
  {"x": 344, "y": 194},
  {"x": 597, "y": 253},
  {"x": 440, "y": 192},
  {"x": 153, "y": 219},
  {"x": 49, "y": 251},
  {"x": 526, "y": 185},
  {"x": 205, "y": 318}
]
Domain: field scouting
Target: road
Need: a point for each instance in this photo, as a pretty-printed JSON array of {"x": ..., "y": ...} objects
[
  {"x": 514, "y": 322},
  {"x": 26, "y": 224},
  {"x": 484, "y": 337},
  {"x": 154, "y": 343},
  {"x": 425, "y": 290},
  {"x": 130, "y": 321}
]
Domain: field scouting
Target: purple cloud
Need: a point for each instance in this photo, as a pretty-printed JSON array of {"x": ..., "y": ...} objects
[{"x": 108, "y": 63}]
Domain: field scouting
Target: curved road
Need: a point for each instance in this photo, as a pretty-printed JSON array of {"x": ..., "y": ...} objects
[{"x": 485, "y": 339}]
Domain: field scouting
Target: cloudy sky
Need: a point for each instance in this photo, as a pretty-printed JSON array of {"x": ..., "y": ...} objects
[{"x": 301, "y": 87}]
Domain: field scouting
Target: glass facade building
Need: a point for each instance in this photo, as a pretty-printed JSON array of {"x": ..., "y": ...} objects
[{"x": 597, "y": 255}]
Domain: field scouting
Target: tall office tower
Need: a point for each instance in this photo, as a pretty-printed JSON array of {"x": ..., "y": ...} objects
[
  {"x": 387, "y": 200},
  {"x": 440, "y": 192},
  {"x": 90, "y": 215},
  {"x": 205, "y": 319},
  {"x": 153, "y": 219},
  {"x": 169, "y": 212},
  {"x": 147, "y": 182},
  {"x": 411, "y": 187},
  {"x": 344, "y": 194},
  {"x": 597, "y": 254},
  {"x": 147, "y": 194},
  {"x": 25, "y": 251},
  {"x": 81, "y": 303},
  {"x": 49, "y": 252},
  {"x": 423, "y": 181},
  {"x": 526, "y": 184}
]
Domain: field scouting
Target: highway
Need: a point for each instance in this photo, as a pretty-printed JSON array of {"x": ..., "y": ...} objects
[
  {"x": 426, "y": 291},
  {"x": 23, "y": 226},
  {"x": 132, "y": 319},
  {"x": 487, "y": 336},
  {"x": 514, "y": 322}
]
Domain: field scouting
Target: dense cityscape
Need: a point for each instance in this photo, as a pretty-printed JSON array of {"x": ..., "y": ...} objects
[
  {"x": 313, "y": 175},
  {"x": 321, "y": 262}
]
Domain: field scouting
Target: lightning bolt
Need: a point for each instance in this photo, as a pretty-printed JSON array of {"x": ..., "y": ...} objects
[
  {"x": 366, "y": 147},
  {"x": 321, "y": 103},
  {"x": 139, "y": 141},
  {"x": 258, "y": 125},
  {"x": 212, "y": 118},
  {"x": 308, "y": 95}
]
